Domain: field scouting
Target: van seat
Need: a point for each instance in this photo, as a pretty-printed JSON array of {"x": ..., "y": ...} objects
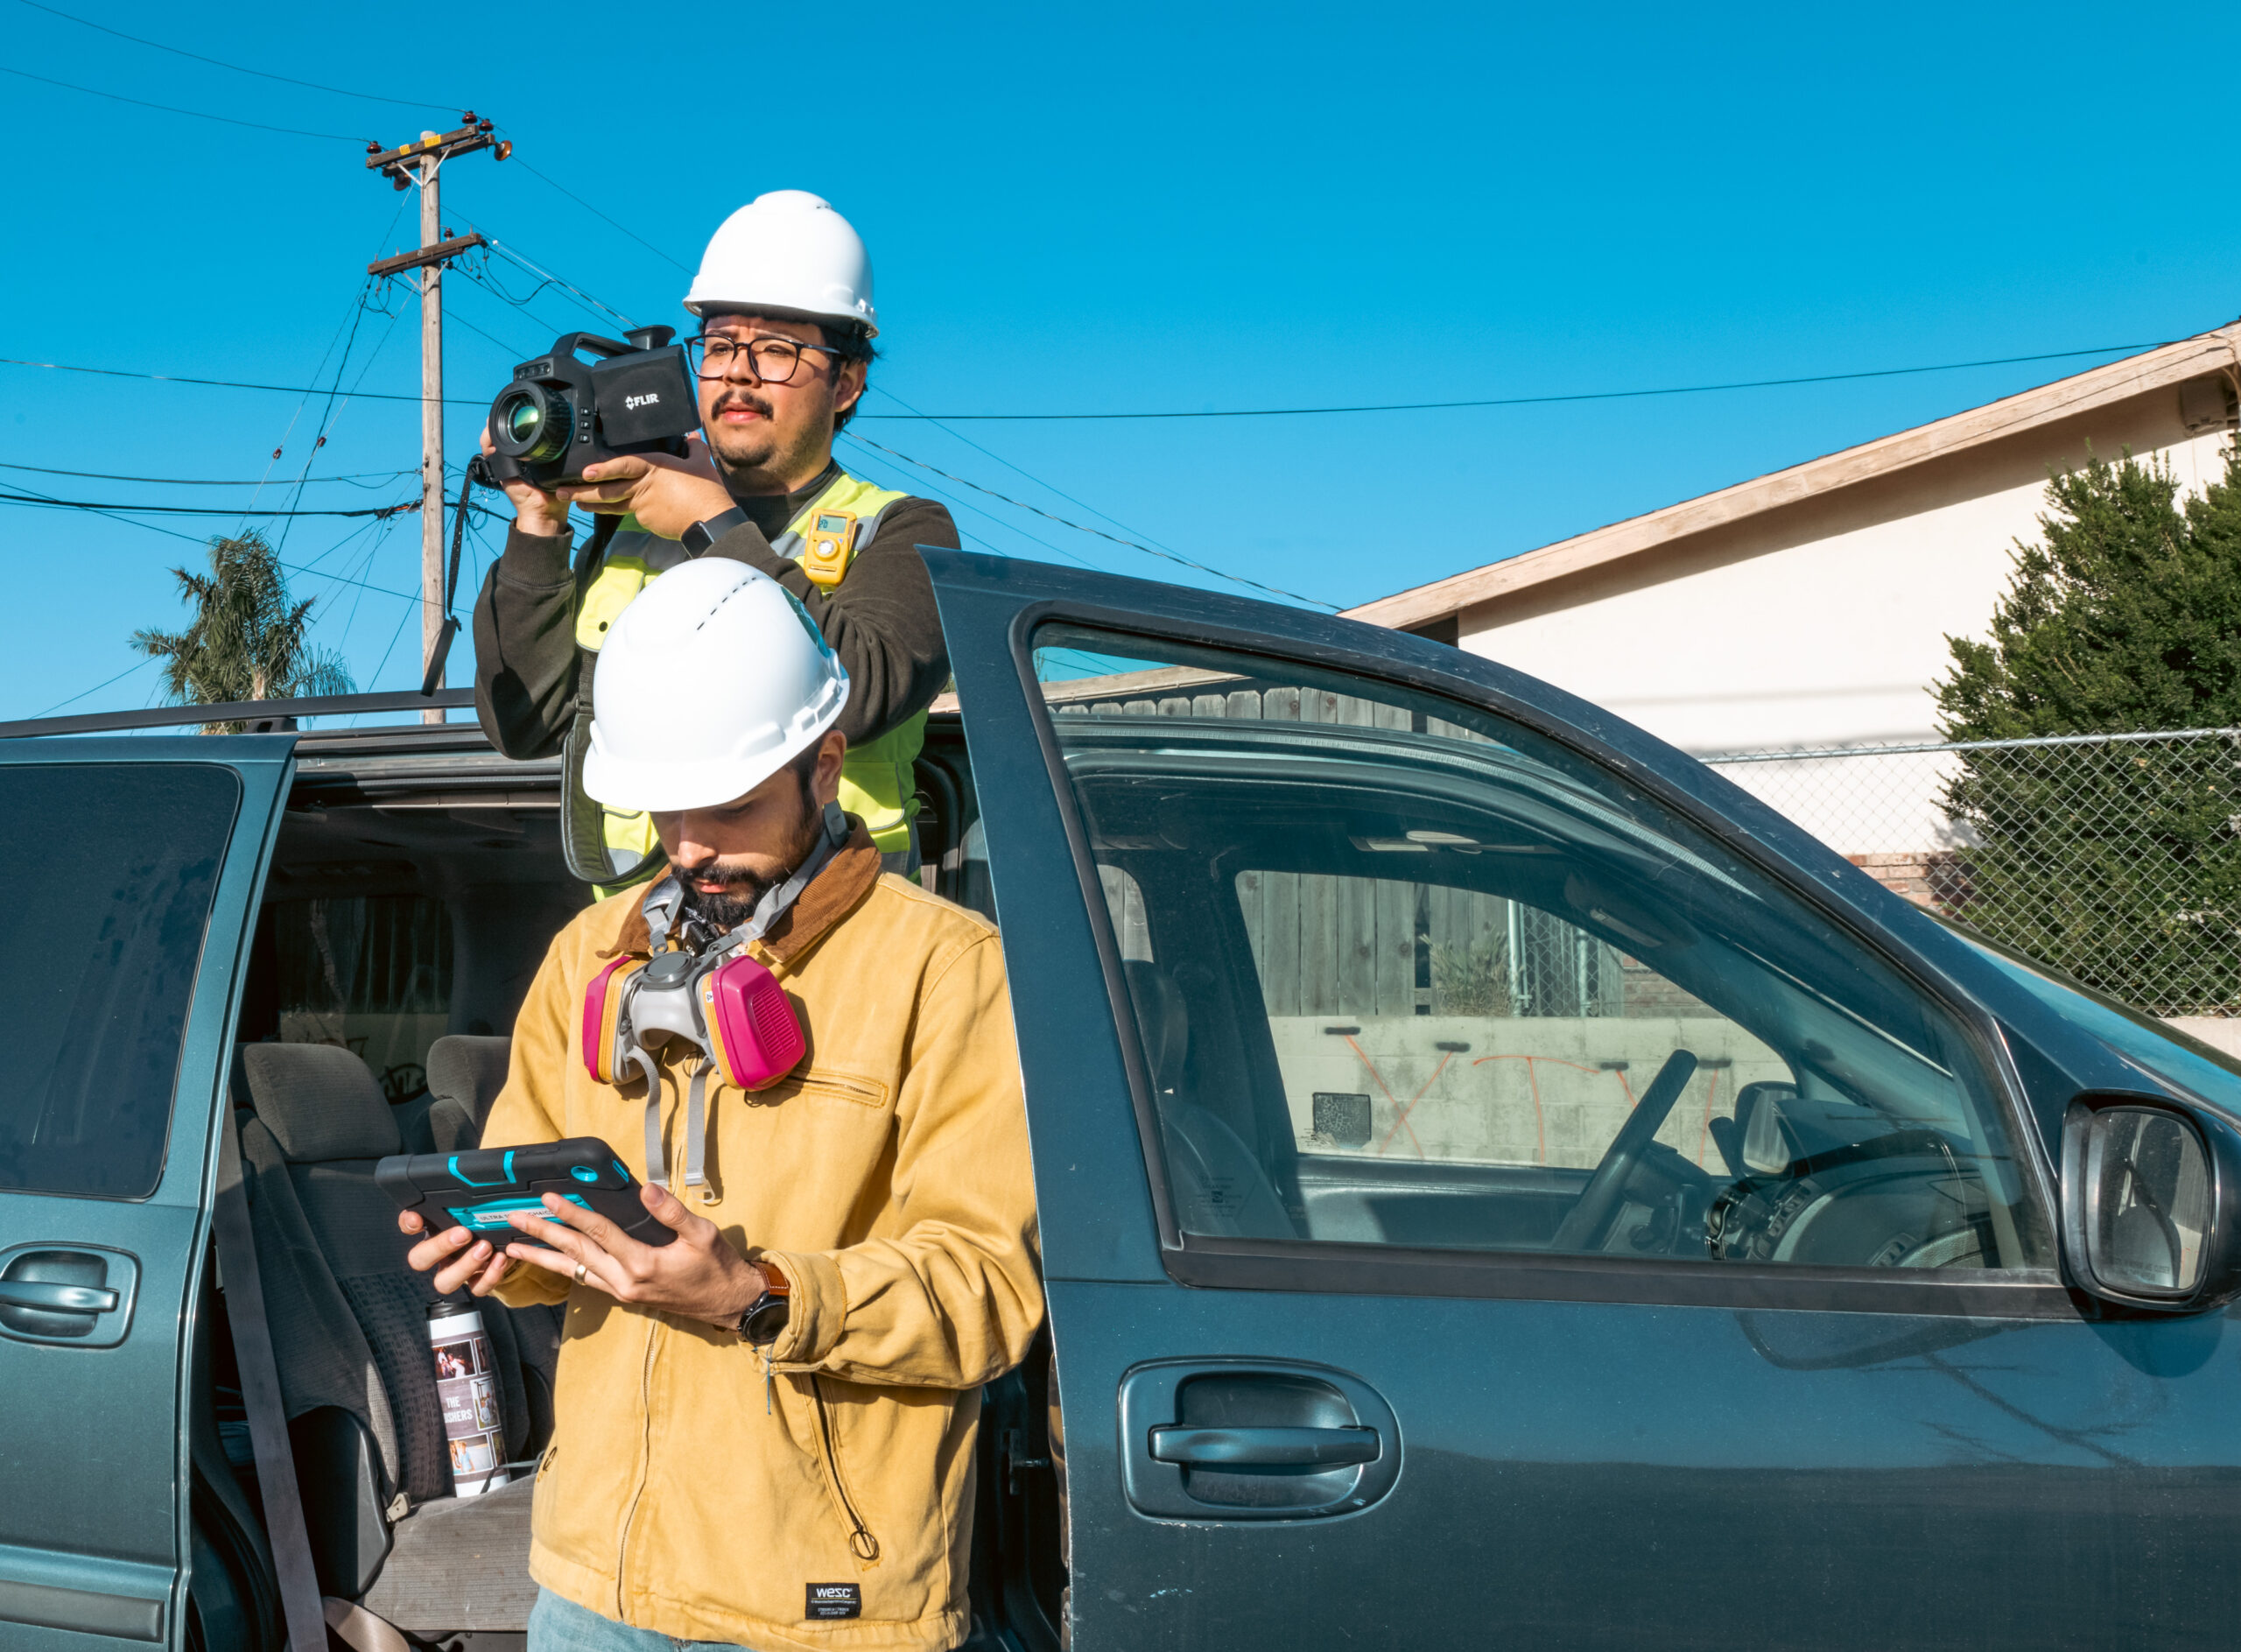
[
  {"x": 465, "y": 1074},
  {"x": 1220, "y": 1187},
  {"x": 349, "y": 1330},
  {"x": 462, "y": 1562}
]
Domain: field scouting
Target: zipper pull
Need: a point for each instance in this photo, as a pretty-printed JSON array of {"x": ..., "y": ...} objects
[{"x": 768, "y": 1381}]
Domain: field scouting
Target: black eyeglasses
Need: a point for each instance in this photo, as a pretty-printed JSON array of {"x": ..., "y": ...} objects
[{"x": 771, "y": 359}]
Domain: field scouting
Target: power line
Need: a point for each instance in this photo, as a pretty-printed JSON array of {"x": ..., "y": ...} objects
[
  {"x": 481, "y": 274},
  {"x": 596, "y": 213},
  {"x": 1168, "y": 555},
  {"x": 1247, "y": 412},
  {"x": 328, "y": 412},
  {"x": 1037, "y": 481},
  {"x": 455, "y": 316},
  {"x": 352, "y": 319},
  {"x": 205, "y": 510},
  {"x": 353, "y": 477},
  {"x": 1004, "y": 523},
  {"x": 169, "y": 109},
  {"x": 539, "y": 270},
  {"x": 158, "y": 46},
  {"x": 226, "y": 384},
  {"x": 1527, "y": 401},
  {"x": 169, "y": 533},
  {"x": 97, "y": 687}
]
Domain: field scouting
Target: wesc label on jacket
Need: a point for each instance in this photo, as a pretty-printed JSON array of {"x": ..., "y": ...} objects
[{"x": 835, "y": 1600}]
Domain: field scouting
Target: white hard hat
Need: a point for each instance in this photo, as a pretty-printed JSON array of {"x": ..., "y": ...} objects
[
  {"x": 713, "y": 680},
  {"x": 787, "y": 251}
]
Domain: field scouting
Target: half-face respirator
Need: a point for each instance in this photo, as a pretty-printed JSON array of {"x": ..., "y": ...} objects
[{"x": 713, "y": 995}]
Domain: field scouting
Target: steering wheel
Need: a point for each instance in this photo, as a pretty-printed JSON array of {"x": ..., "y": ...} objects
[{"x": 1587, "y": 1223}]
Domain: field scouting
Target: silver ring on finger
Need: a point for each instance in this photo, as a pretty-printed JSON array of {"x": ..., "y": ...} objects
[{"x": 580, "y": 1273}]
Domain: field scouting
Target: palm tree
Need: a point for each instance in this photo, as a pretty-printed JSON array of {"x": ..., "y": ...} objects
[{"x": 248, "y": 640}]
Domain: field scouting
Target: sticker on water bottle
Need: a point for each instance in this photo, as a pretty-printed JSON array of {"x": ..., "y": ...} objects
[{"x": 466, "y": 1386}]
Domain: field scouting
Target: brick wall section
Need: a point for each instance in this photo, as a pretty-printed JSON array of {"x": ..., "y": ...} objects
[{"x": 1933, "y": 878}]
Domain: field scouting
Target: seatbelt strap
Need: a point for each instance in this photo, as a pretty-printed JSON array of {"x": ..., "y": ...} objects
[
  {"x": 363, "y": 1630},
  {"x": 268, "y": 1426}
]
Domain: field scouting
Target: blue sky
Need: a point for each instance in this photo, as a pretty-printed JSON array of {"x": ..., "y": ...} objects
[{"x": 1077, "y": 210}]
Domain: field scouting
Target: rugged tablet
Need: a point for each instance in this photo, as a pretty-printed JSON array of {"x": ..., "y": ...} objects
[{"x": 476, "y": 1189}]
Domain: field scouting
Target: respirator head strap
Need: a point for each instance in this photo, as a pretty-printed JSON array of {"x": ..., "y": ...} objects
[
  {"x": 663, "y": 902},
  {"x": 696, "y": 1125},
  {"x": 656, "y": 1160},
  {"x": 775, "y": 903}
]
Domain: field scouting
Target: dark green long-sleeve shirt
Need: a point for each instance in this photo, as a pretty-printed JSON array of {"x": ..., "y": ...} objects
[{"x": 529, "y": 676}]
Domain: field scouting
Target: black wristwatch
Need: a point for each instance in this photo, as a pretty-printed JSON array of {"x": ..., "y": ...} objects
[
  {"x": 767, "y": 1315},
  {"x": 697, "y": 539}
]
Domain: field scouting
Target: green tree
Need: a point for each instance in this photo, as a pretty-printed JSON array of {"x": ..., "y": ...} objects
[
  {"x": 2118, "y": 862},
  {"x": 248, "y": 639}
]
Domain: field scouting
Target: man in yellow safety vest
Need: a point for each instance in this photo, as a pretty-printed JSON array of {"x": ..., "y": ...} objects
[{"x": 784, "y": 298}]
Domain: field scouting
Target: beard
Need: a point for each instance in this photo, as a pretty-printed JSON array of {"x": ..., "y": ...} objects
[
  {"x": 750, "y": 449},
  {"x": 743, "y": 889},
  {"x": 720, "y": 913}
]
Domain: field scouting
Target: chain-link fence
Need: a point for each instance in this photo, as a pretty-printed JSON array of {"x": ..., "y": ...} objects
[{"x": 2114, "y": 857}]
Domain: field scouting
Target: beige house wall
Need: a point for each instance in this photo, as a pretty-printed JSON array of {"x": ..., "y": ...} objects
[{"x": 1821, "y": 622}]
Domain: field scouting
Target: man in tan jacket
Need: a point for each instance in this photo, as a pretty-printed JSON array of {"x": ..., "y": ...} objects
[{"x": 763, "y": 1429}]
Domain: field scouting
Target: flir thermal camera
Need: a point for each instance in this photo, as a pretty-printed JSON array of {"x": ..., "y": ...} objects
[{"x": 563, "y": 412}]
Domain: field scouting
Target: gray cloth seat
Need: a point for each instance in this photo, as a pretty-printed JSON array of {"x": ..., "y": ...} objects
[
  {"x": 463, "y": 1563},
  {"x": 350, "y": 1328},
  {"x": 1217, "y": 1184},
  {"x": 465, "y": 1074}
]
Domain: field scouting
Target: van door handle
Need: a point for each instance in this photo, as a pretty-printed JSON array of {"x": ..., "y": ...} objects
[
  {"x": 18, "y": 1293},
  {"x": 67, "y": 1295},
  {"x": 1264, "y": 1447},
  {"x": 1223, "y": 1438}
]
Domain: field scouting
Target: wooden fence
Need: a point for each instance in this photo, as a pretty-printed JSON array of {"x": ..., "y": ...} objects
[{"x": 1358, "y": 947}]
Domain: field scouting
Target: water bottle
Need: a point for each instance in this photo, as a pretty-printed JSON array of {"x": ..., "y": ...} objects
[{"x": 466, "y": 1383}]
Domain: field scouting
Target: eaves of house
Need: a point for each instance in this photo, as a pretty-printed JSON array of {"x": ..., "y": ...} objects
[{"x": 2217, "y": 352}]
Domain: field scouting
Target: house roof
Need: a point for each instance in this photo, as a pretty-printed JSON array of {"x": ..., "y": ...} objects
[{"x": 2218, "y": 350}]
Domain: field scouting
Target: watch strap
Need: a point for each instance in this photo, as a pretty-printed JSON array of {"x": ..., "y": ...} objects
[
  {"x": 700, "y": 536},
  {"x": 768, "y": 1314}
]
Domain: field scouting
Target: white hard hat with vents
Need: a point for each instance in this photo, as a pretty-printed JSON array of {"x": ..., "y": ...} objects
[
  {"x": 787, "y": 251},
  {"x": 713, "y": 680}
]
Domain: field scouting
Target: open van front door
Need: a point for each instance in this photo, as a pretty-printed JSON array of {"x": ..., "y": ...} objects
[
  {"x": 1499, "y": 1180},
  {"x": 128, "y": 876}
]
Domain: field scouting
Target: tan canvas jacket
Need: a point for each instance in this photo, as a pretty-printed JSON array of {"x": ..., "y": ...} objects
[{"x": 688, "y": 1489}]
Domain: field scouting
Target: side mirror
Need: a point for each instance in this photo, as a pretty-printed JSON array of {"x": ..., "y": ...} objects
[{"x": 2152, "y": 1204}]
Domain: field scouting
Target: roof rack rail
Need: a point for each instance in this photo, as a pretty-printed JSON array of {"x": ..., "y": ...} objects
[{"x": 264, "y": 715}]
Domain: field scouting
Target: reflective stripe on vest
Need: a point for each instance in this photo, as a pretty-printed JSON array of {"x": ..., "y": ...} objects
[{"x": 876, "y": 782}]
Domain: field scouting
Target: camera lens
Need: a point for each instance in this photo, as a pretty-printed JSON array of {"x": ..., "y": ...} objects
[{"x": 531, "y": 423}]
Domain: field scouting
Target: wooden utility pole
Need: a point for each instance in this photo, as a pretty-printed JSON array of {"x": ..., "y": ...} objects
[{"x": 422, "y": 163}]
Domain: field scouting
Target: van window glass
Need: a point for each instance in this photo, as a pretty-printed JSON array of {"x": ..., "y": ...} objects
[
  {"x": 105, "y": 894},
  {"x": 370, "y": 974},
  {"x": 1409, "y": 975}
]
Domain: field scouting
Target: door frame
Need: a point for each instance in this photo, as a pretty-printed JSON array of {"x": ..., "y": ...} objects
[{"x": 1800, "y": 867}]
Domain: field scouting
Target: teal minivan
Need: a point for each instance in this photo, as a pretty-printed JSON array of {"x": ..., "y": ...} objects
[{"x": 1499, "y": 1181}]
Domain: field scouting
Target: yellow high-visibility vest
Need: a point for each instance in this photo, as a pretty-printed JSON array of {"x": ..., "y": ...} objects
[{"x": 876, "y": 782}]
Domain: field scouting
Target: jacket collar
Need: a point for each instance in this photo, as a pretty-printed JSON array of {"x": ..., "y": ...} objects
[{"x": 832, "y": 894}]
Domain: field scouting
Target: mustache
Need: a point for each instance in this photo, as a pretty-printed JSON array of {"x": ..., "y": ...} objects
[
  {"x": 741, "y": 398},
  {"x": 743, "y": 892}
]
